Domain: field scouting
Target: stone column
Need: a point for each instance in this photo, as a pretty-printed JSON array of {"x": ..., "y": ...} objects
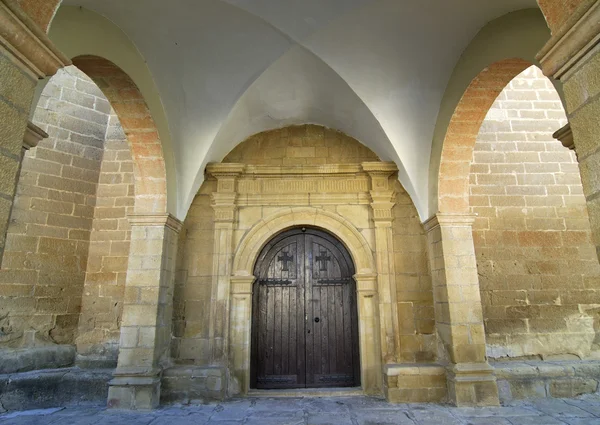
[
  {"x": 26, "y": 55},
  {"x": 573, "y": 56},
  {"x": 458, "y": 311},
  {"x": 239, "y": 317},
  {"x": 382, "y": 202},
  {"x": 223, "y": 202},
  {"x": 147, "y": 312}
]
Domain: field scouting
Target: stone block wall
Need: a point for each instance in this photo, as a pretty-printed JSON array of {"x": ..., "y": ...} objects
[
  {"x": 413, "y": 283},
  {"x": 16, "y": 93},
  {"x": 65, "y": 198},
  {"x": 538, "y": 270},
  {"x": 44, "y": 263},
  {"x": 102, "y": 303}
]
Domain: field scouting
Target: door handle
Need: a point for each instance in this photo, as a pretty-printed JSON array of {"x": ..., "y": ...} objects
[{"x": 317, "y": 320}]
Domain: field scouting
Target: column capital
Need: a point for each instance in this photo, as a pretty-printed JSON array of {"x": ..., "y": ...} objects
[
  {"x": 455, "y": 220},
  {"x": 573, "y": 41},
  {"x": 33, "y": 135},
  {"x": 155, "y": 220},
  {"x": 25, "y": 41},
  {"x": 242, "y": 284},
  {"x": 366, "y": 283}
]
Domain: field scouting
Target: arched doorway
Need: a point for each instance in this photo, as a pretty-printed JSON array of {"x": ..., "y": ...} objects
[{"x": 304, "y": 322}]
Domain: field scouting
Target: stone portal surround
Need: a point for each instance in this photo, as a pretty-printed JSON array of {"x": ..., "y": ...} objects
[{"x": 299, "y": 191}]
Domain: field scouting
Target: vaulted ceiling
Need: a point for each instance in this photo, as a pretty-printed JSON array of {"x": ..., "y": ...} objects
[{"x": 375, "y": 69}]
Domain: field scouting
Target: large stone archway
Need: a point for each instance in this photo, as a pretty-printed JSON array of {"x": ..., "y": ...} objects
[{"x": 241, "y": 291}]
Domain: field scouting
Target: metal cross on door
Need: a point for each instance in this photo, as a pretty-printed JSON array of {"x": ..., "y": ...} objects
[{"x": 305, "y": 325}]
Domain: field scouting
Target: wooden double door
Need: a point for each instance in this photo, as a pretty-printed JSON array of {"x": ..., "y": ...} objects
[{"x": 304, "y": 322}]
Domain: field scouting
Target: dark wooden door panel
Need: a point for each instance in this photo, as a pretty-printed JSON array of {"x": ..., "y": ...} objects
[{"x": 305, "y": 324}]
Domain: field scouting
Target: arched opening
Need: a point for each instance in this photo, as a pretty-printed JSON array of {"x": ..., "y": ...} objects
[{"x": 304, "y": 313}]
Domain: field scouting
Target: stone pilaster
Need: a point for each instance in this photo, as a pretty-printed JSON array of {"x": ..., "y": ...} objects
[
  {"x": 458, "y": 311},
  {"x": 224, "y": 205},
  {"x": 370, "y": 346},
  {"x": 573, "y": 56},
  {"x": 239, "y": 317},
  {"x": 382, "y": 202},
  {"x": 147, "y": 312},
  {"x": 26, "y": 55}
]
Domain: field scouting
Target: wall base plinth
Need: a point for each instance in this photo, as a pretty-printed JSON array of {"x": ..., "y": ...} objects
[
  {"x": 414, "y": 383},
  {"x": 472, "y": 384},
  {"x": 134, "y": 390}
]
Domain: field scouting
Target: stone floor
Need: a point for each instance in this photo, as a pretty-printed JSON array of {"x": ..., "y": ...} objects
[{"x": 323, "y": 411}]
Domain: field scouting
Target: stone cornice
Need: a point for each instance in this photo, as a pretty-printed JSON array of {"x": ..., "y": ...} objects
[
  {"x": 231, "y": 169},
  {"x": 155, "y": 220},
  {"x": 26, "y": 42},
  {"x": 565, "y": 136},
  {"x": 441, "y": 219},
  {"x": 388, "y": 168},
  {"x": 224, "y": 169},
  {"x": 575, "y": 38},
  {"x": 33, "y": 135}
]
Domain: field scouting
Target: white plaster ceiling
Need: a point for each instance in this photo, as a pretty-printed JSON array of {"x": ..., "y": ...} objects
[{"x": 375, "y": 69}]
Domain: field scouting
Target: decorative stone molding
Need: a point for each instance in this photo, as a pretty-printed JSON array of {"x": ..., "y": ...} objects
[
  {"x": 565, "y": 136},
  {"x": 33, "y": 135},
  {"x": 460, "y": 220},
  {"x": 382, "y": 195},
  {"x": 573, "y": 41},
  {"x": 27, "y": 43},
  {"x": 155, "y": 220}
]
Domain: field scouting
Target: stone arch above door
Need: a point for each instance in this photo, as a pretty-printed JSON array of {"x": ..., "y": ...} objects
[{"x": 266, "y": 228}]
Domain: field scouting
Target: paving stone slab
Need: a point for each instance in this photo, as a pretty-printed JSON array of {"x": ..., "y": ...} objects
[{"x": 559, "y": 408}]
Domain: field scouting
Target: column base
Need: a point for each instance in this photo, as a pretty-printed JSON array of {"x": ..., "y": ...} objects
[
  {"x": 472, "y": 384},
  {"x": 134, "y": 389}
]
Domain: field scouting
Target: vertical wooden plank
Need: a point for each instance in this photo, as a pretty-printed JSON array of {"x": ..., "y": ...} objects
[
  {"x": 285, "y": 331},
  {"x": 347, "y": 321},
  {"x": 277, "y": 330},
  {"x": 304, "y": 339},
  {"x": 270, "y": 332},
  {"x": 339, "y": 329},
  {"x": 332, "y": 343},
  {"x": 323, "y": 327}
]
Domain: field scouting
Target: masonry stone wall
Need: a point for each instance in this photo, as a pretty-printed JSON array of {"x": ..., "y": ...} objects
[
  {"x": 102, "y": 303},
  {"x": 55, "y": 214},
  {"x": 196, "y": 318},
  {"x": 538, "y": 270},
  {"x": 413, "y": 283}
]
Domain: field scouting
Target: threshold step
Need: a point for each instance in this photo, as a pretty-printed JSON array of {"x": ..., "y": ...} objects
[{"x": 308, "y": 392}]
